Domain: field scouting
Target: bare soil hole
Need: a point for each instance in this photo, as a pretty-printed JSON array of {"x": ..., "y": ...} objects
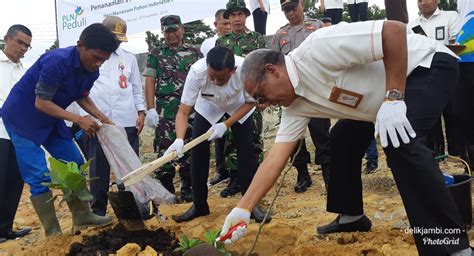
[{"x": 110, "y": 241}]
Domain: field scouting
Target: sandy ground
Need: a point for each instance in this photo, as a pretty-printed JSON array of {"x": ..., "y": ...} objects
[{"x": 291, "y": 232}]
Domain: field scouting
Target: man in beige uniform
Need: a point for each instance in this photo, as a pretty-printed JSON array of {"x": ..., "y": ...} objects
[
  {"x": 286, "y": 39},
  {"x": 360, "y": 73}
]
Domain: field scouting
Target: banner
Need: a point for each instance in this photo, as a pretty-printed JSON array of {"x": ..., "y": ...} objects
[{"x": 141, "y": 15}]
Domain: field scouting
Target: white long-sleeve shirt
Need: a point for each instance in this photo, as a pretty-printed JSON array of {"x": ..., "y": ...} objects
[
  {"x": 121, "y": 105},
  {"x": 212, "y": 101},
  {"x": 10, "y": 73},
  {"x": 326, "y": 60}
]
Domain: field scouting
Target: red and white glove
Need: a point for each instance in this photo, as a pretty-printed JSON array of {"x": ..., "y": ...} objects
[
  {"x": 237, "y": 219},
  {"x": 392, "y": 119},
  {"x": 219, "y": 130}
]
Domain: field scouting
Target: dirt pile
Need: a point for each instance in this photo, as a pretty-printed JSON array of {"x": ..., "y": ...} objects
[{"x": 110, "y": 241}]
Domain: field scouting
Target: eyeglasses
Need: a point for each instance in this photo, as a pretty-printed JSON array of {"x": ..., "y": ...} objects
[
  {"x": 259, "y": 99},
  {"x": 22, "y": 43}
]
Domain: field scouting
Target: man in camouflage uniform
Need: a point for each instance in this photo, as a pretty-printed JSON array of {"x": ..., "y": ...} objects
[
  {"x": 286, "y": 39},
  {"x": 241, "y": 41},
  {"x": 167, "y": 68}
]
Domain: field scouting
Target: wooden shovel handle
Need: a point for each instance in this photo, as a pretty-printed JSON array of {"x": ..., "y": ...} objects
[{"x": 150, "y": 167}]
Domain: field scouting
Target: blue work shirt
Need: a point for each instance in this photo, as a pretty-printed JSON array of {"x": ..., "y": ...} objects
[{"x": 60, "y": 68}]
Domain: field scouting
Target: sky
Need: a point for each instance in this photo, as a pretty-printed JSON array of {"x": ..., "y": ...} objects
[{"x": 39, "y": 16}]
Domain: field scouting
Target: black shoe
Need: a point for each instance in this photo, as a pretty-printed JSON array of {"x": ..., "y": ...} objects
[
  {"x": 232, "y": 189},
  {"x": 371, "y": 166},
  {"x": 218, "y": 178},
  {"x": 186, "y": 195},
  {"x": 11, "y": 234},
  {"x": 2, "y": 240},
  {"x": 362, "y": 225},
  {"x": 303, "y": 180},
  {"x": 258, "y": 214},
  {"x": 192, "y": 213},
  {"x": 303, "y": 184}
]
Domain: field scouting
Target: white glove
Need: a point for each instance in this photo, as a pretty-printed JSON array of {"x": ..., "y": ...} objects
[
  {"x": 392, "y": 119},
  {"x": 219, "y": 130},
  {"x": 176, "y": 146},
  {"x": 236, "y": 216},
  {"x": 152, "y": 118}
]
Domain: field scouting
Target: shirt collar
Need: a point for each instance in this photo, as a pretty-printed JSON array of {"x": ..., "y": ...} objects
[
  {"x": 77, "y": 59},
  {"x": 118, "y": 52},
  {"x": 3, "y": 57},
  {"x": 291, "y": 70},
  {"x": 436, "y": 13}
]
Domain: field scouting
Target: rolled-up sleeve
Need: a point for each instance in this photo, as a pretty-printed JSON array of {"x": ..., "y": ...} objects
[
  {"x": 343, "y": 45},
  {"x": 192, "y": 87},
  {"x": 50, "y": 78},
  {"x": 292, "y": 127}
]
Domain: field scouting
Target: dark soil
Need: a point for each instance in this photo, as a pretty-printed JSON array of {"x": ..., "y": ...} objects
[{"x": 110, "y": 241}]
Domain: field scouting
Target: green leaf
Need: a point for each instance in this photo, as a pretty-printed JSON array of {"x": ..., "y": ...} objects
[
  {"x": 72, "y": 167},
  {"x": 74, "y": 181},
  {"x": 84, "y": 167},
  {"x": 185, "y": 243},
  {"x": 211, "y": 236},
  {"x": 84, "y": 195}
]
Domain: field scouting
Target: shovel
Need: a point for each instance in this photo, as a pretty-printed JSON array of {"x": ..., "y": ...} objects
[{"x": 123, "y": 202}]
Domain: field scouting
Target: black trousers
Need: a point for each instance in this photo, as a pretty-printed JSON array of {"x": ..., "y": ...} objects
[
  {"x": 100, "y": 168},
  {"x": 463, "y": 109},
  {"x": 80, "y": 138},
  {"x": 453, "y": 132},
  {"x": 358, "y": 12},
  {"x": 319, "y": 131},
  {"x": 426, "y": 198},
  {"x": 260, "y": 21},
  {"x": 200, "y": 154},
  {"x": 334, "y": 14},
  {"x": 11, "y": 186},
  {"x": 220, "y": 157}
]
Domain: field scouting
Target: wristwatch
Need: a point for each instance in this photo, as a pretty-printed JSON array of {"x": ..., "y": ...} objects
[
  {"x": 394, "y": 94},
  {"x": 142, "y": 112}
]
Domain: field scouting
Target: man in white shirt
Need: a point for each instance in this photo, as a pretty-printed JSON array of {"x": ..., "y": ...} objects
[
  {"x": 222, "y": 26},
  {"x": 441, "y": 26},
  {"x": 118, "y": 94},
  {"x": 17, "y": 43},
  {"x": 437, "y": 24},
  {"x": 360, "y": 73},
  {"x": 260, "y": 10},
  {"x": 213, "y": 87}
]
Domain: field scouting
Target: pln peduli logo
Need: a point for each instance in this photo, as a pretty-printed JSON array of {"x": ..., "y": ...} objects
[{"x": 74, "y": 20}]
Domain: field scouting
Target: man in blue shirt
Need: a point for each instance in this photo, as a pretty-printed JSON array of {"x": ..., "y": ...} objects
[{"x": 34, "y": 115}]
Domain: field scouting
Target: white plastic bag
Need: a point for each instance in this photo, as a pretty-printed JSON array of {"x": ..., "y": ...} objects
[{"x": 123, "y": 160}]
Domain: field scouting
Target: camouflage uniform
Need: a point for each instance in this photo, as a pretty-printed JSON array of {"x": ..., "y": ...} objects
[
  {"x": 170, "y": 67},
  {"x": 242, "y": 44}
]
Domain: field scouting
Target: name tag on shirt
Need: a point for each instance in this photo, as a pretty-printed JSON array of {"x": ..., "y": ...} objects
[
  {"x": 440, "y": 33},
  {"x": 345, "y": 97}
]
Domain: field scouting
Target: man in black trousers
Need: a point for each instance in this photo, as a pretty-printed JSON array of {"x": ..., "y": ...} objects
[{"x": 17, "y": 43}]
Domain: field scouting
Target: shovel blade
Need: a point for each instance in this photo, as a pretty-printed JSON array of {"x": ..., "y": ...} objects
[{"x": 126, "y": 210}]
